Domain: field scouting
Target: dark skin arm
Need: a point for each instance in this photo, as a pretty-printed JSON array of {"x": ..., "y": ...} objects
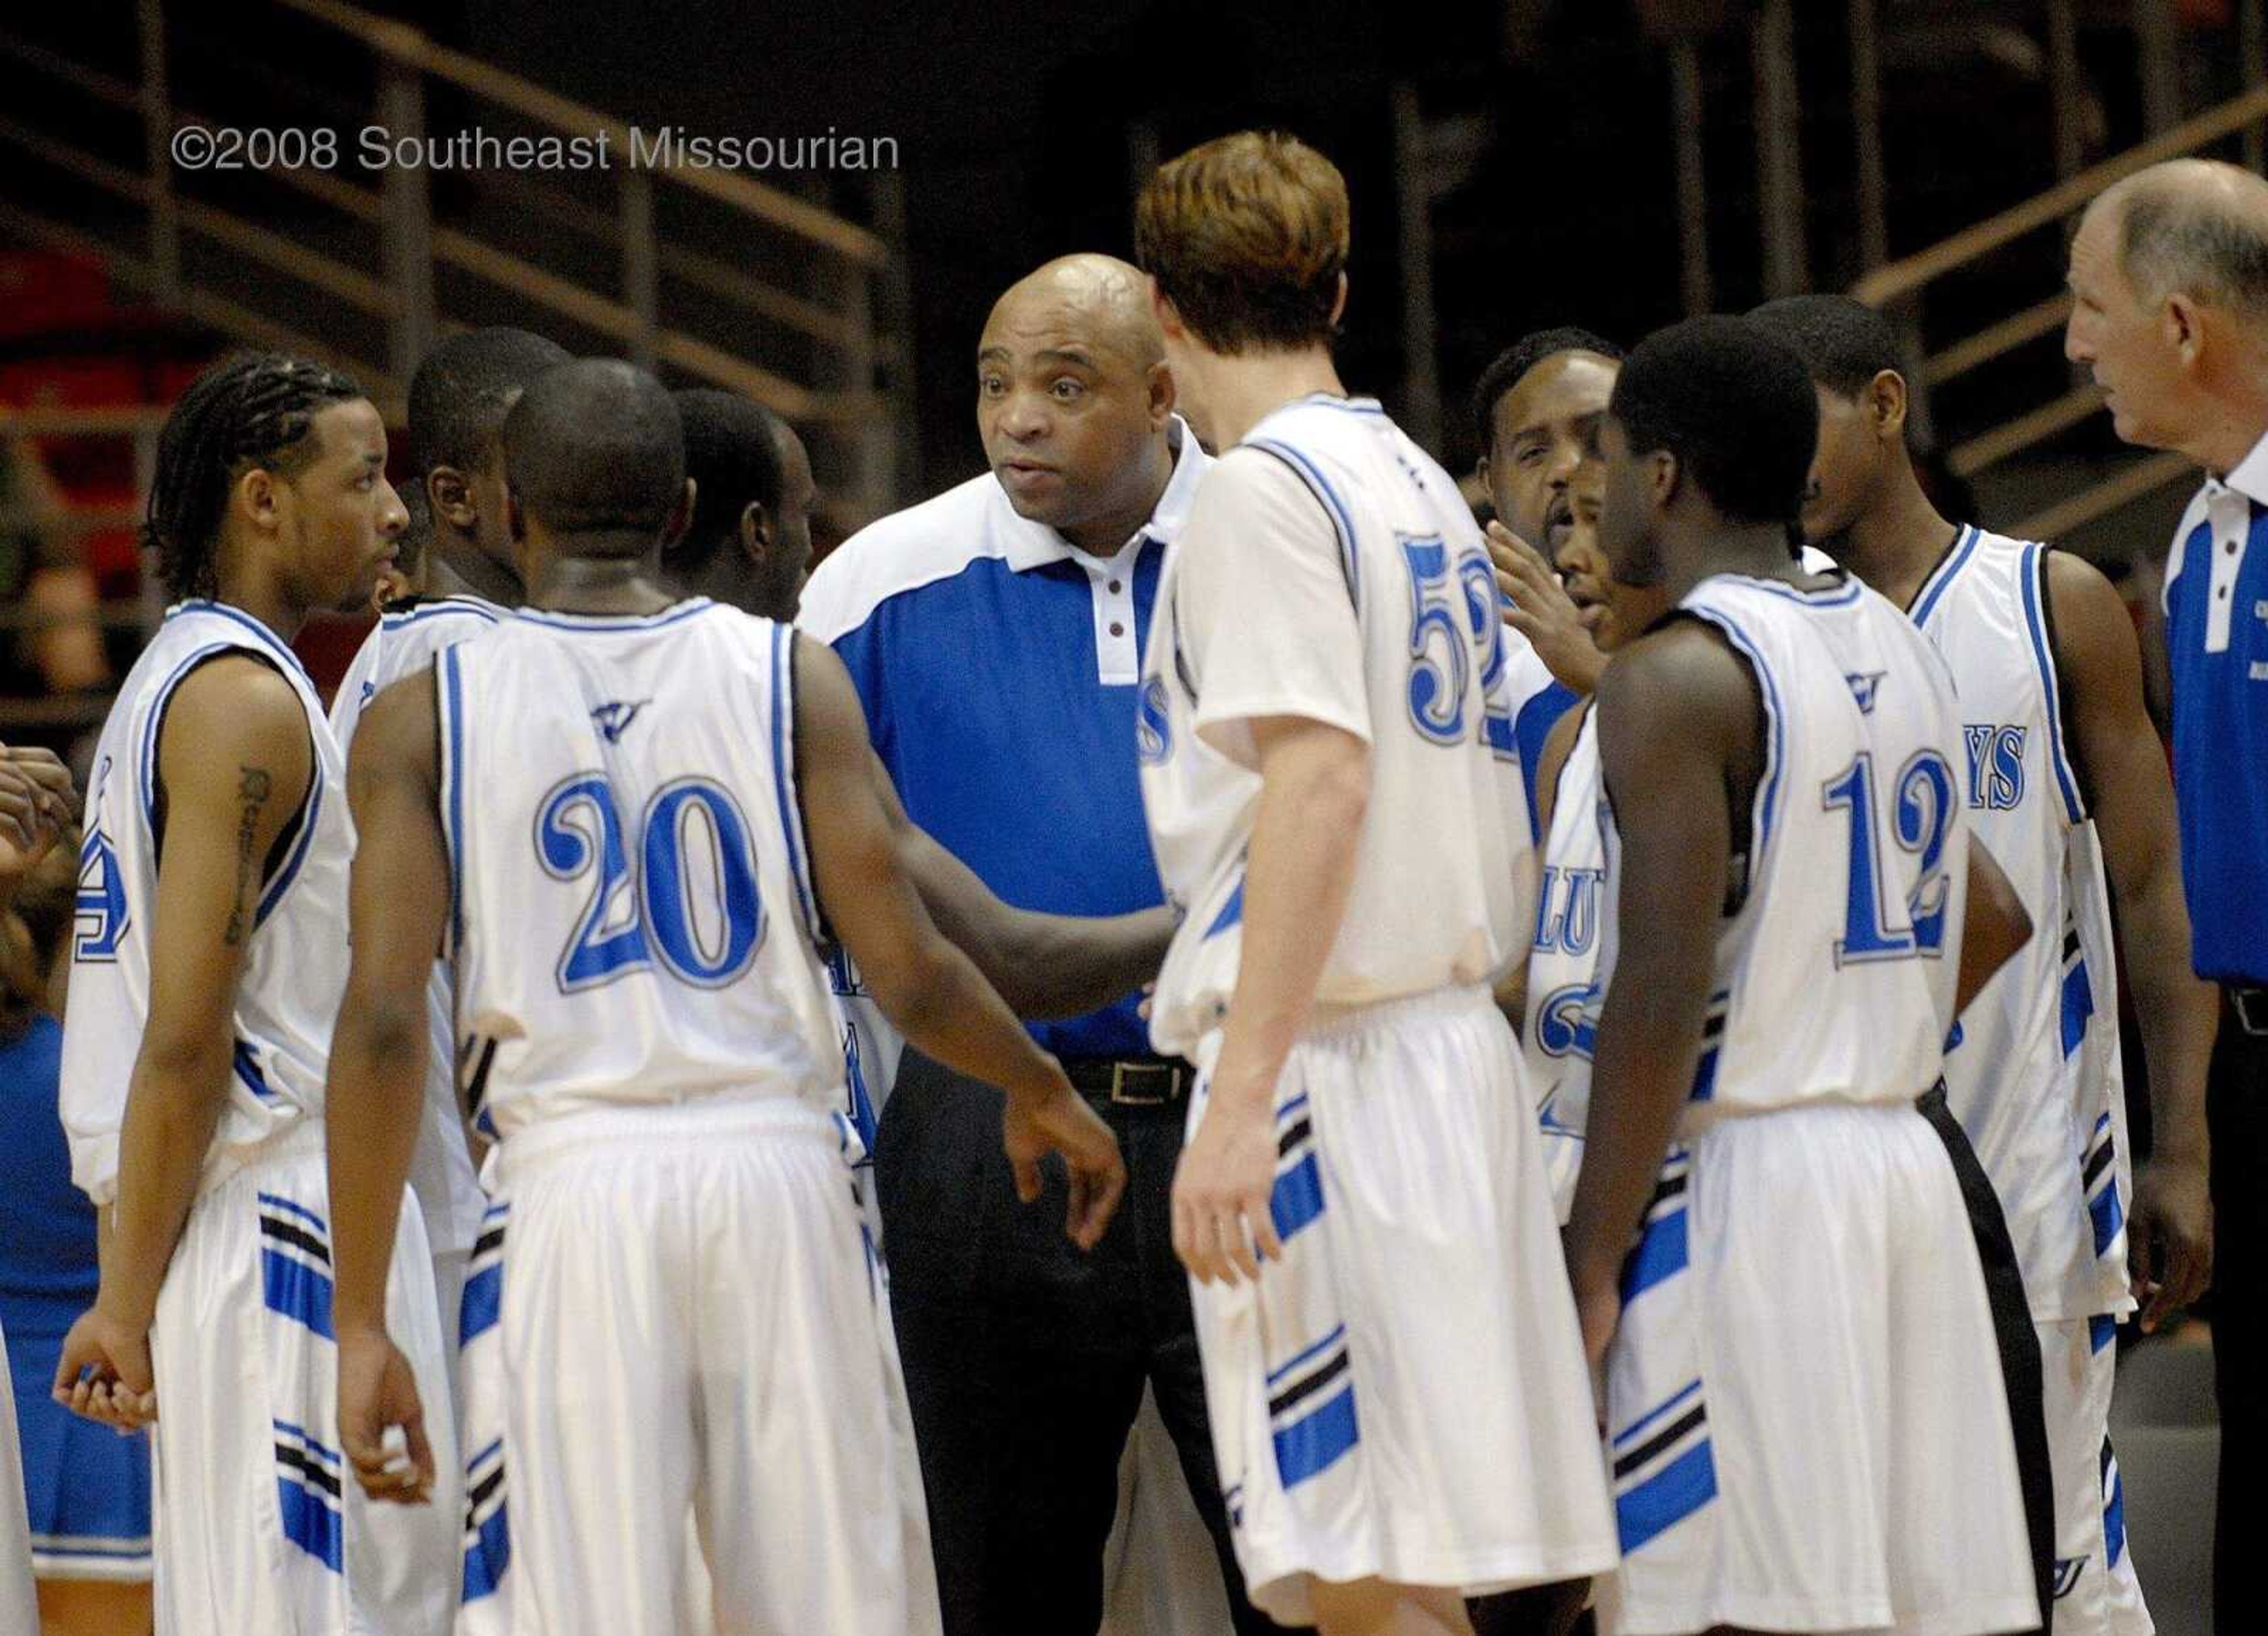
[
  {"x": 927, "y": 987},
  {"x": 1996, "y": 925},
  {"x": 235, "y": 763},
  {"x": 1043, "y": 965},
  {"x": 399, "y": 909},
  {"x": 1678, "y": 734},
  {"x": 2122, "y": 765}
]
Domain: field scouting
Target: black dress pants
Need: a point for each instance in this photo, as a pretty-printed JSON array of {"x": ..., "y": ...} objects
[
  {"x": 1025, "y": 1360},
  {"x": 2236, "y": 1115}
]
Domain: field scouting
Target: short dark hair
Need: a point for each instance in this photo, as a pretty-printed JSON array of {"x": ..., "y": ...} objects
[
  {"x": 595, "y": 446},
  {"x": 1511, "y": 366},
  {"x": 1734, "y": 405},
  {"x": 460, "y": 393},
  {"x": 1247, "y": 236},
  {"x": 1842, "y": 341},
  {"x": 253, "y": 409},
  {"x": 2171, "y": 240},
  {"x": 733, "y": 455}
]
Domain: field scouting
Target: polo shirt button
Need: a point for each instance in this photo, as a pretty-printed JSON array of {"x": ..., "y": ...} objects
[
  {"x": 2230, "y": 547},
  {"x": 1118, "y": 630},
  {"x": 1114, "y": 584}
]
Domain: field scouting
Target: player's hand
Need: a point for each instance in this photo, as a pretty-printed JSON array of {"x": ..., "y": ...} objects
[
  {"x": 36, "y": 803},
  {"x": 1062, "y": 1123},
  {"x": 1538, "y": 607},
  {"x": 104, "y": 1374},
  {"x": 1223, "y": 1228},
  {"x": 378, "y": 1391},
  {"x": 2169, "y": 1237}
]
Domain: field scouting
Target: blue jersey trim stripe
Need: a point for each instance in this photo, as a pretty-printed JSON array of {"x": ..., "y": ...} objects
[
  {"x": 2102, "y": 1330},
  {"x": 309, "y": 1522},
  {"x": 297, "y": 1291},
  {"x": 1297, "y": 1197},
  {"x": 1660, "y": 1253},
  {"x": 448, "y": 609},
  {"x": 2078, "y": 1007},
  {"x": 2029, "y": 577},
  {"x": 1666, "y": 1497},
  {"x": 281, "y": 1203},
  {"x": 2109, "y": 1216},
  {"x": 487, "y": 1557},
  {"x": 453, "y": 773},
  {"x": 1311, "y": 1445},
  {"x": 1342, "y": 521},
  {"x": 782, "y": 774},
  {"x": 1657, "y": 1411},
  {"x": 587, "y": 622},
  {"x": 1305, "y": 1353},
  {"x": 1231, "y": 912},
  {"x": 310, "y": 816},
  {"x": 150, "y": 722},
  {"x": 1956, "y": 559},
  {"x": 1833, "y": 596},
  {"x": 1775, "y": 748},
  {"x": 482, "y": 1304},
  {"x": 268, "y": 638}
]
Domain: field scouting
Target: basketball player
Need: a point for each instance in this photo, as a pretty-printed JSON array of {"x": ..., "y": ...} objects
[
  {"x": 2065, "y": 779},
  {"x": 209, "y": 965},
  {"x": 1333, "y": 794},
  {"x": 457, "y": 400},
  {"x": 1803, "y": 1399},
  {"x": 634, "y": 911}
]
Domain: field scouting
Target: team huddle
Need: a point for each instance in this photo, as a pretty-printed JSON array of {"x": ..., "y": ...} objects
[{"x": 1649, "y": 981}]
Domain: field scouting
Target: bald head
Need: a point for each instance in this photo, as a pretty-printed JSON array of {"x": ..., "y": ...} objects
[
  {"x": 2193, "y": 227},
  {"x": 1104, "y": 298}
]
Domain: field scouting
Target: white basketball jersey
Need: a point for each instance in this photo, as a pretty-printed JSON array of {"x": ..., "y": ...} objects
[
  {"x": 2026, "y": 1073},
  {"x": 1835, "y": 974},
  {"x": 295, "y": 968},
  {"x": 1562, "y": 962},
  {"x": 635, "y": 918},
  {"x": 1444, "y": 876},
  {"x": 403, "y": 643}
]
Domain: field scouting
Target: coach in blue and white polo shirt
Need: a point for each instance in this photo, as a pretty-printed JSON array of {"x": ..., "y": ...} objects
[
  {"x": 2169, "y": 280},
  {"x": 995, "y": 635}
]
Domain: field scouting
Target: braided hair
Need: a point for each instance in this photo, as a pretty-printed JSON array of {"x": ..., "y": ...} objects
[{"x": 254, "y": 410}]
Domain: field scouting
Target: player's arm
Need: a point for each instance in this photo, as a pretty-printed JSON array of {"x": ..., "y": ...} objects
[
  {"x": 2122, "y": 767},
  {"x": 1677, "y": 713},
  {"x": 399, "y": 909},
  {"x": 1043, "y": 965},
  {"x": 1315, "y": 790},
  {"x": 1511, "y": 991},
  {"x": 1994, "y": 927},
  {"x": 925, "y": 986},
  {"x": 235, "y": 763}
]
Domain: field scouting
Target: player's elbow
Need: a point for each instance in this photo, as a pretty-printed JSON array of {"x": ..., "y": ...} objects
[{"x": 380, "y": 1028}]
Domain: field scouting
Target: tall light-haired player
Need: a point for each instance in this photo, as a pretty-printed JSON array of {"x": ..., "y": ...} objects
[{"x": 1396, "y": 1389}]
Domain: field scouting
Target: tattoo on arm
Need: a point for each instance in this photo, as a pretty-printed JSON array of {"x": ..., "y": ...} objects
[{"x": 253, "y": 785}]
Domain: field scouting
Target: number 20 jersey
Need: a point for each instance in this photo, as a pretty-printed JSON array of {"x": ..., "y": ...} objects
[
  {"x": 634, "y": 915},
  {"x": 1835, "y": 975}
]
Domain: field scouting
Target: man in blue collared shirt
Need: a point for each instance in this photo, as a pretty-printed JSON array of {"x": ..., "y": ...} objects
[
  {"x": 995, "y": 635},
  {"x": 2169, "y": 281}
]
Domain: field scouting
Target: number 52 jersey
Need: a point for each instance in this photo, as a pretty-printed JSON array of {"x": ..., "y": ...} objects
[{"x": 633, "y": 912}]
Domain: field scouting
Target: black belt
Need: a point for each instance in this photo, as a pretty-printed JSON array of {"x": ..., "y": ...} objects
[
  {"x": 1129, "y": 1082},
  {"x": 2251, "y": 1006}
]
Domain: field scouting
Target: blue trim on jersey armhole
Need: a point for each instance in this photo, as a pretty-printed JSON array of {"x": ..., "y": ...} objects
[
  {"x": 670, "y": 615},
  {"x": 1320, "y": 486},
  {"x": 783, "y": 764},
  {"x": 1775, "y": 753},
  {"x": 146, "y": 762},
  {"x": 309, "y": 817},
  {"x": 453, "y": 802},
  {"x": 2030, "y": 575},
  {"x": 1954, "y": 561},
  {"x": 269, "y": 639},
  {"x": 449, "y": 608}
]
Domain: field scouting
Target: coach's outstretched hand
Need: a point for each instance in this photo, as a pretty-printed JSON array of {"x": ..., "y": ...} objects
[
  {"x": 377, "y": 1391},
  {"x": 104, "y": 1374},
  {"x": 1064, "y": 1124}
]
